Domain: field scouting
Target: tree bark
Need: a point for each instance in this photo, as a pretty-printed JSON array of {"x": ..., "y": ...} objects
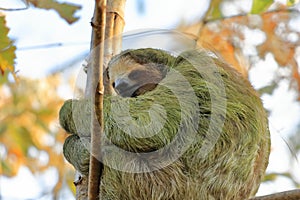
[
  {"x": 286, "y": 195},
  {"x": 107, "y": 25},
  {"x": 96, "y": 95}
]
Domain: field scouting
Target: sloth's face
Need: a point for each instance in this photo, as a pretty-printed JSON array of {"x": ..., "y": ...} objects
[{"x": 131, "y": 79}]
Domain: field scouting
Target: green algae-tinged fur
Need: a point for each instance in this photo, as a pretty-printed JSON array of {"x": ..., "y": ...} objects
[{"x": 231, "y": 170}]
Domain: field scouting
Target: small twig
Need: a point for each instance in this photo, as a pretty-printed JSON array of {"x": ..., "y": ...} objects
[
  {"x": 51, "y": 45},
  {"x": 13, "y": 9},
  {"x": 286, "y": 195},
  {"x": 206, "y": 21},
  {"x": 16, "y": 9}
]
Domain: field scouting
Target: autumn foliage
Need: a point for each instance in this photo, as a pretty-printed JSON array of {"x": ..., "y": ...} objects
[{"x": 227, "y": 38}]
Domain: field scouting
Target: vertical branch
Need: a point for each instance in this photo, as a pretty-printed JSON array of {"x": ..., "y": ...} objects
[
  {"x": 113, "y": 30},
  {"x": 115, "y": 24},
  {"x": 96, "y": 94},
  {"x": 107, "y": 23}
]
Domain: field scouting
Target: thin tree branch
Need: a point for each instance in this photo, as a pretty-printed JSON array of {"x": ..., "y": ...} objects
[
  {"x": 13, "y": 9},
  {"x": 51, "y": 45},
  {"x": 287, "y": 195},
  {"x": 96, "y": 93},
  {"x": 68, "y": 64},
  {"x": 291, "y": 10},
  {"x": 113, "y": 25},
  {"x": 17, "y": 9}
]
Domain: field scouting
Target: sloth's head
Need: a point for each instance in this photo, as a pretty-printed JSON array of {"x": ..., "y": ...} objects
[{"x": 133, "y": 73}]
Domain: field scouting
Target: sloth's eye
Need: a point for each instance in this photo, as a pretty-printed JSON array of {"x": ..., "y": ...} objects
[{"x": 113, "y": 84}]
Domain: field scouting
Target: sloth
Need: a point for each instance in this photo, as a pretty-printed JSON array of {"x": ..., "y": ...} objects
[{"x": 171, "y": 106}]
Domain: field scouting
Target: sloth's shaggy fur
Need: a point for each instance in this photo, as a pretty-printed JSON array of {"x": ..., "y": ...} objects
[{"x": 232, "y": 169}]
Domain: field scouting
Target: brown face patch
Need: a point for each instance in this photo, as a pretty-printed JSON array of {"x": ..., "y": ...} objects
[
  {"x": 145, "y": 76},
  {"x": 145, "y": 80},
  {"x": 136, "y": 74},
  {"x": 131, "y": 79}
]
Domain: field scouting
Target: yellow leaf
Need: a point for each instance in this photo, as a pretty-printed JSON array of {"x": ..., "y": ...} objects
[
  {"x": 214, "y": 11},
  {"x": 7, "y": 49},
  {"x": 260, "y": 6},
  {"x": 65, "y": 10},
  {"x": 291, "y": 2}
]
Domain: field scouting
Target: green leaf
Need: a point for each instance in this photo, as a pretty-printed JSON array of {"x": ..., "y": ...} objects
[
  {"x": 259, "y": 6},
  {"x": 6, "y": 169},
  {"x": 65, "y": 10},
  {"x": 214, "y": 11},
  {"x": 7, "y": 49},
  {"x": 22, "y": 138},
  {"x": 290, "y": 2}
]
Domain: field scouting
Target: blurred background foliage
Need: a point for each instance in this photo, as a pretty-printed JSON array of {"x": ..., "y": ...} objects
[{"x": 29, "y": 132}]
